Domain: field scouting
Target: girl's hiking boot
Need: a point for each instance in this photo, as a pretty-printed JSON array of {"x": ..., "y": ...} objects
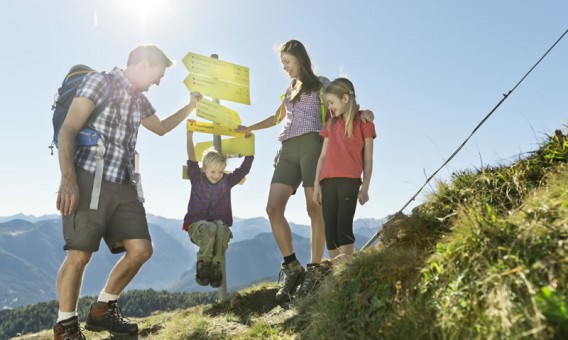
[
  {"x": 293, "y": 272},
  {"x": 216, "y": 275},
  {"x": 202, "y": 272},
  {"x": 315, "y": 274},
  {"x": 68, "y": 330},
  {"x": 106, "y": 316}
]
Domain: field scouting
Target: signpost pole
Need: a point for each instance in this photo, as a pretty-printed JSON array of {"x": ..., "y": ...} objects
[{"x": 217, "y": 144}]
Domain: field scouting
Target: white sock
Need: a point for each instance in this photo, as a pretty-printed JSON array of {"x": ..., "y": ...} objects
[
  {"x": 65, "y": 315},
  {"x": 106, "y": 297}
]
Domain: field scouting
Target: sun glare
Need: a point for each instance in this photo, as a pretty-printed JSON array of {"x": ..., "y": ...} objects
[{"x": 143, "y": 9}]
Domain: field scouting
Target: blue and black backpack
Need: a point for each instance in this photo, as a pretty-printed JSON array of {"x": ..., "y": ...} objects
[{"x": 63, "y": 99}]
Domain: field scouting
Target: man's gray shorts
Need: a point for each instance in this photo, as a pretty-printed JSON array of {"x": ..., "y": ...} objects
[{"x": 120, "y": 216}]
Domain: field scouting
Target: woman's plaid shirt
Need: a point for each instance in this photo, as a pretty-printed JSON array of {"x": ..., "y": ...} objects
[{"x": 303, "y": 115}]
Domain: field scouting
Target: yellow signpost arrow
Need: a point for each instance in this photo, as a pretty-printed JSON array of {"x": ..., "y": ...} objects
[
  {"x": 216, "y": 129},
  {"x": 217, "y": 88},
  {"x": 231, "y": 147},
  {"x": 215, "y": 68},
  {"x": 217, "y": 113}
]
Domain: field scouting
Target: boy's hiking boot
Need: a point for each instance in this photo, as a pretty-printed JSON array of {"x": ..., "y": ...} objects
[
  {"x": 202, "y": 272},
  {"x": 293, "y": 272},
  {"x": 68, "y": 330},
  {"x": 106, "y": 316},
  {"x": 216, "y": 275},
  {"x": 315, "y": 274}
]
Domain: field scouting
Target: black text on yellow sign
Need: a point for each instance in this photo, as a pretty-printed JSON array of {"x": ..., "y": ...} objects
[
  {"x": 218, "y": 69},
  {"x": 219, "y": 89},
  {"x": 217, "y": 113},
  {"x": 215, "y": 129}
]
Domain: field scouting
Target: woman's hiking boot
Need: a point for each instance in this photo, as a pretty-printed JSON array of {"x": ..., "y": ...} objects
[
  {"x": 68, "y": 330},
  {"x": 106, "y": 316},
  {"x": 315, "y": 274},
  {"x": 293, "y": 272}
]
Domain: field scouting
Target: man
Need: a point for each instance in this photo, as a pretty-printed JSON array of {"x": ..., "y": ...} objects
[{"x": 120, "y": 218}]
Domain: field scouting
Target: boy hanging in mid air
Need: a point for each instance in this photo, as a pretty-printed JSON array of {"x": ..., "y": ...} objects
[{"x": 209, "y": 214}]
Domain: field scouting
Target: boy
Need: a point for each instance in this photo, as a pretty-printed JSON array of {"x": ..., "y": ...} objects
[{"x": 209, "y": 213}]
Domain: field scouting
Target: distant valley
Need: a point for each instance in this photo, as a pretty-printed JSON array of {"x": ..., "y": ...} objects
[{"x": 31, "y": 251}]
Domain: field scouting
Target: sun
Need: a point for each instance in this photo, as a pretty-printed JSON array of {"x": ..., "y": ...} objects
[{"x": 143, "y": 9}]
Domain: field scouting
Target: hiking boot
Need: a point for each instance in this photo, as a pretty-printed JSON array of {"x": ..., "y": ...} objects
[
  {"x": 315, "y": 274},
  {"x": 106, "y": 316},
  {"x": 202, "y": 272},
  {"x": 216, "y": 275},
  {"x": 68, "y": 330},
  {"x": 294, "y": 273}
]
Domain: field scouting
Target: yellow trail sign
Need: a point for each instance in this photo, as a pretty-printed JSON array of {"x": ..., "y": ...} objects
[
  {"x": 217, "y": 113},
  {"x": 218, "y": 69},
  {"x": 215, "y": 129},
  {"x": 217, "y": 88},
  {"x": 231, "y": 147}
]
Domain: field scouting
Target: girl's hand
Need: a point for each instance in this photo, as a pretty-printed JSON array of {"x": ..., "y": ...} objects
[
  {"x": 316, "y": 196},
  {"x": 363, "y": 197},
  {"x": 367, "y": 116}
]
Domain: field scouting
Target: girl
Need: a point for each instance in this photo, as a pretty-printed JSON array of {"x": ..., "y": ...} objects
[
  {"x": 338, "y": 183},
  {"x": 301, "y": 112}
]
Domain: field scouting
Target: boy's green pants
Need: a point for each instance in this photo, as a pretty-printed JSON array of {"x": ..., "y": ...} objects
[{"x": 212, "y": 237}]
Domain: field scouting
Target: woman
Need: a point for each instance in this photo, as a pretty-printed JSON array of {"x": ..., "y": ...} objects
[{"x": 301, "y": 110}]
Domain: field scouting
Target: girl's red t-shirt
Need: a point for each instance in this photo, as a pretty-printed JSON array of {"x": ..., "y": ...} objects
[{"x": 344, "y": 157}]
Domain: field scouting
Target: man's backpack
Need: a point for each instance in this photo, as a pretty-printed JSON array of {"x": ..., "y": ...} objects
[
  {"x": 64, "y": 98},
  {"x": 86, "y": 137}
]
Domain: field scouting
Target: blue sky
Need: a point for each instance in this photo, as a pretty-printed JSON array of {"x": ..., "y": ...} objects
[{"x": 430, "y": 70}]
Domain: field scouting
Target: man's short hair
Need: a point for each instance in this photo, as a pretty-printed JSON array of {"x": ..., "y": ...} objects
[{"x": 151, "y": 53}]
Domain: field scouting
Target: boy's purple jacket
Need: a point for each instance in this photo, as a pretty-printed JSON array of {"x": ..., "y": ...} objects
[{"x": 212, "y": 201}]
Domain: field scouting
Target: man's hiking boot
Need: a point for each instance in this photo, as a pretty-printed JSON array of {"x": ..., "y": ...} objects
[
  {"x": 216, "y": 275},
  {"x": 68, "y": 330},
  {"x": 202, "y": 272},
  {"x": 293, "y": 272},
  {"x": 315, "y": 274},
  {"x": 106, "y": 316}
]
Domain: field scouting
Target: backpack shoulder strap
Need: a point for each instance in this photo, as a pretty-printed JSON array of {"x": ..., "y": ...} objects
[
  {"x": 109, "y": 90},
  {"x": 108, "y": 95},
  {"x": 322, "y": 103}
]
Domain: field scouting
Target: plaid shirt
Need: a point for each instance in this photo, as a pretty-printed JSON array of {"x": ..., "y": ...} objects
[
  {"x": 212, "y": 201},
  {"x": 304, "y": 115},
  {"x": 117, "y": 124}
]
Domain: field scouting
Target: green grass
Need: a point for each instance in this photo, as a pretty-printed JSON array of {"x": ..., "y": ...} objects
[{"x": 484, "y": 257}]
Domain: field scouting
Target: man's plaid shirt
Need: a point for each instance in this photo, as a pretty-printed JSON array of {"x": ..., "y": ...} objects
[{"x": 117, "y": 124}]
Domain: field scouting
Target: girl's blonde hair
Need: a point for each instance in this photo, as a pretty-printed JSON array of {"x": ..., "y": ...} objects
[
  {"x": 211, "y": 157},
  {"x": 341, "y": 87}
]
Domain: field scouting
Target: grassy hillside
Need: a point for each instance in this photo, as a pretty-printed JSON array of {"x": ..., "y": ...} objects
[{"x": 486, "y": 256}]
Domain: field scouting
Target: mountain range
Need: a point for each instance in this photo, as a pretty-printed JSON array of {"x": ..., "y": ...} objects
[{"x": 31, "y": 251}]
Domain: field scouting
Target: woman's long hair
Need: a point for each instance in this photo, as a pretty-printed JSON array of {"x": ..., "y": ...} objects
[
  {"x": 309, "y": 80},
  {"x": 341, "y": 87}
]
